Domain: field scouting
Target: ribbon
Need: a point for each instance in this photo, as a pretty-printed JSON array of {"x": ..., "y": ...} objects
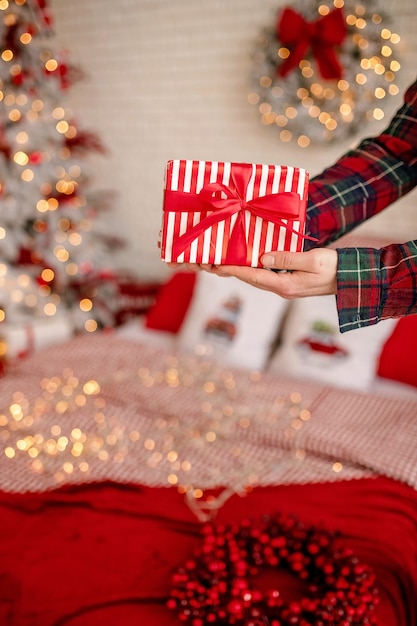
[
  {"x": 274, "y": 207},
  {"x": 322, "y": 36}
]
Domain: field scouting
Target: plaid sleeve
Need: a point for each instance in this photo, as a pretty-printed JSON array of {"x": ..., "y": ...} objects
[
  {"x": 366, "y": 179},
  {"x": 376, "y": 284},
  {"x": 371, "y": 284}
]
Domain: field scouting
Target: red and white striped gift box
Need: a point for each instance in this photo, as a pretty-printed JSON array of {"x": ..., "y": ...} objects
[{"x": 230, "y": 213}]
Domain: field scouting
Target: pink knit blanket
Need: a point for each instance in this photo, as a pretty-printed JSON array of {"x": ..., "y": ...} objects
[{"x": 102, "y": 408}]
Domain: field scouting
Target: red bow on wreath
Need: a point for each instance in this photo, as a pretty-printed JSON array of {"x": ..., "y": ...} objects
[{"x": 322, "y": 36}]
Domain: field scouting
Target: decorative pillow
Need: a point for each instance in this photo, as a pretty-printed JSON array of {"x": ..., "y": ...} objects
[
  {"x": 172, "y": 302},
  {"x": 231, "y": 321},
  {"x": 397, "y": 360},
  {"x": 312, "y": 346}
]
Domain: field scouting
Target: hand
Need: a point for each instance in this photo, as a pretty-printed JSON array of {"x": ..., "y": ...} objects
[{"x": 311, "y": 273}]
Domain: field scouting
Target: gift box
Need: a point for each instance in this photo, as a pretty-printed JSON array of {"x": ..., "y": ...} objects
[
  {"x": 22, "y": 338},
  {"x": 231, "y": 213}
]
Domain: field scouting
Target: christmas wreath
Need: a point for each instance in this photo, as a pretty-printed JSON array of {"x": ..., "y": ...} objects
[
  {"x": 218, "y": 585},
  {"x": 323, "y": 69}
]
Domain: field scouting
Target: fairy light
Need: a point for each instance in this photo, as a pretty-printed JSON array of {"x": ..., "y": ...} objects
[
  {"x": 27, "y": 175},
  {"x": 22, "y": 137},
  {"x": 14, "y": 115},
  {"x": 86, "y": 304},
  {"x": 21, "y": 158},
  {"x": 7, "y": 55},
  {"x": 91, "y": 326},
  {"x": 58, "y": 113},
  {"x": 48, "y": 275},
  {"x": 25, "y": 38},
  {"x": 15, "y": 70},
  {"x": 37, "y": 105},
  {"x": 61, "y": 254},
  {"x": 62, "y": 127},
  {"x": 51, "y": 65}
]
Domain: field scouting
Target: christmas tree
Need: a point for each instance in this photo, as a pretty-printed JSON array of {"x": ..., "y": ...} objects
[{"x": 53, "y": 257}]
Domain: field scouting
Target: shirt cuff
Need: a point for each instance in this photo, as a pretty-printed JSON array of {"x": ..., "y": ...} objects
[{"x": 358, "y": 287}]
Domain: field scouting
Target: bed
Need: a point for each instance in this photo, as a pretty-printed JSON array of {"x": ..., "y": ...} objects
[{"x": 120, "y": 449}]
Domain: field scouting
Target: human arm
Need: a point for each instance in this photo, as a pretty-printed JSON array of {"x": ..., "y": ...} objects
[
  {"x": 300, "y": 274},
  {"x": 370, "y": 284},
  {"x": 376, "y": 284},
  {"x": 366, "y": 179}
]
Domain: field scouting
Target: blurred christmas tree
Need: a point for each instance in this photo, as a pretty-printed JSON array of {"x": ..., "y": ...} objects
[{"x": 54, "y": 259}]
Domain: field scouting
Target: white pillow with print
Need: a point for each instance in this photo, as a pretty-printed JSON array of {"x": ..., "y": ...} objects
[
  {"x": 313, "y": 348},
  {"x": 232, "y": 322}
]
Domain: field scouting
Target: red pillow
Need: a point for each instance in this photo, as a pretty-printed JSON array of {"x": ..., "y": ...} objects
[
  {"x": 172, "y": 302},
  {"x": 397, "y": 360}
]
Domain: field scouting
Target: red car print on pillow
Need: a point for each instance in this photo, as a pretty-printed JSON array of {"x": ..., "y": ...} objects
[
  {"x": 322, "y": 339},
  {"x": 224, "y": 325}
]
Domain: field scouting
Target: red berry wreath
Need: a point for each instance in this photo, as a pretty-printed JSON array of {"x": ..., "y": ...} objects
[{"x": 218, "y": 586}]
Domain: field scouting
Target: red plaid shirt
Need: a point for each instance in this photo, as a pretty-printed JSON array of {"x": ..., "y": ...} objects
[{"x": 371, "y": 284}]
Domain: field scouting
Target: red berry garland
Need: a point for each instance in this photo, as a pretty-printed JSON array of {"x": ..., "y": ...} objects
[{"x": 217, "y": 587}]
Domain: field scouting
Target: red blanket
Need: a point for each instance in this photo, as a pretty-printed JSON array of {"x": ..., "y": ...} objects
[{"x": 102, "y": 554}]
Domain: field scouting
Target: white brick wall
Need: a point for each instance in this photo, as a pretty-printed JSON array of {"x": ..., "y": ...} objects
[{"x": 169, "y": 79}]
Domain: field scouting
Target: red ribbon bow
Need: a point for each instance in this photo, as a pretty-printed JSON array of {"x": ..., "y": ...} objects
[
  {"x": 273, "y": 207},
  {"x": 322, "y": 36}
]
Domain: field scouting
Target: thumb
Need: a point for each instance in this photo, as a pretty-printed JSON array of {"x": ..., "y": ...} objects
[{"x": 282, "y": 260}]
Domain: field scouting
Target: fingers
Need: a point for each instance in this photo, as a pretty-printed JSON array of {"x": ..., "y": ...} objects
[
  {"x": 291, "y": 261},
  {"x": 305, "y": 273},
  {"x": 190, "y": 266},
  {"x": 257, "y": 277}
]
